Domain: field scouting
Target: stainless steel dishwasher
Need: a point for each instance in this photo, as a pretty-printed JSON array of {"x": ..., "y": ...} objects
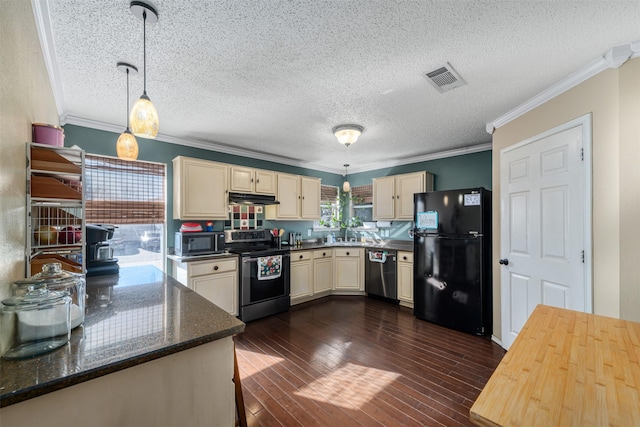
[{"x": 380, "y": 274}]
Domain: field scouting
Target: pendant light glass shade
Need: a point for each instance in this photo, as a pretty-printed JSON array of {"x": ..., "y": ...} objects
[
  {"x": 144, "y": 116},
  {"x": 347, "y": 134},
  {"x": 126, "y": 145},
  {"x": 346, "y": 187}
]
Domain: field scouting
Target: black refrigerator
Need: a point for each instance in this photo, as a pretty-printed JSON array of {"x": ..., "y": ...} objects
[{"x": 452, "y": 259}]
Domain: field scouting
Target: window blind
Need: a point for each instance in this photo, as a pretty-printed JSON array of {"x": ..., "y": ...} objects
[
  {"x": 124, "y": 192},
  {"x": 362, "y": 194},
  {"x": 328, "y": 194}
]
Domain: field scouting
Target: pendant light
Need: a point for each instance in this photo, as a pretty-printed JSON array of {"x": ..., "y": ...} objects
[
  {"x": 144, "y": 116},
  {"x": 346, "y": 187},
  {"x": 127, "y": 146},
  {"x": 347, "y": 134}
]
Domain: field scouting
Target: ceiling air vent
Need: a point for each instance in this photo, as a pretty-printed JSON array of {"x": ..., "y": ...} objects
[{"x": 444, "y": 78}]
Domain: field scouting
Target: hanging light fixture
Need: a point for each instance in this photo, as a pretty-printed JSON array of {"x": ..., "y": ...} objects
[
  {"x": 347, "y": 134},
  {"x": 127, "y": 146},
  {"x": 144, "y": 116},
  {"x": 346, "y": 187}
]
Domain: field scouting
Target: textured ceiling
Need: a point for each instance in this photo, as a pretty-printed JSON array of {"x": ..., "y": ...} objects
[{"x": 274, "y": 76}]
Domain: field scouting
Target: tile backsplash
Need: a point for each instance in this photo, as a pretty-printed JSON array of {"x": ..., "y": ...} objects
[{"x": 244, "y": 217}]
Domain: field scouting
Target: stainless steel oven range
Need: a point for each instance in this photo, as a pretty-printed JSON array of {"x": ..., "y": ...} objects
[{"x": 263, "y": 276}]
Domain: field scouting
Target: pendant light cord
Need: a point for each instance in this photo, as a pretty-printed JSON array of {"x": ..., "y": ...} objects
[
  {"x": 144, "y": 49},
  {"x": 127, "y": 109}
]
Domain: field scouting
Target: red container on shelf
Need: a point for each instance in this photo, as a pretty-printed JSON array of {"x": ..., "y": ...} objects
[{"x": 48, "y": 134}]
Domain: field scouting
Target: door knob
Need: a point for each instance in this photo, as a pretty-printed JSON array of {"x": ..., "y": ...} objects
[{"x": 504, "y": 261}]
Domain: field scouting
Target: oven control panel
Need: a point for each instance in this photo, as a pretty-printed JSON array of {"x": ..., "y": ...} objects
[{"x": 235, "y": 236}]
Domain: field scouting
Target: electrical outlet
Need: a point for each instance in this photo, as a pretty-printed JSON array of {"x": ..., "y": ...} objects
[{"x": 309, "y": 232}]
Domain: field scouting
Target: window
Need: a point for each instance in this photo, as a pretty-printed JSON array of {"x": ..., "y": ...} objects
[
  {"x": 329, "y": 208},
  {"x": 131, "y": 196},
  {"x": 362, "y": 206}
]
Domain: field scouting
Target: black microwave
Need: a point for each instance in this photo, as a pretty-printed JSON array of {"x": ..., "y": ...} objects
[{"x": 199, "y": 243}]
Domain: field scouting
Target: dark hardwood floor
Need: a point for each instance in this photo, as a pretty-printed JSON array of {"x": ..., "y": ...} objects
[{"x": 351, "y": 360}]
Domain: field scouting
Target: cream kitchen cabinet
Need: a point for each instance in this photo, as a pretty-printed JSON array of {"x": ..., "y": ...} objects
[
  {"x": 348, "y": 270},
  {"x": 322, "y": 270},
  {"x": 405, "y": 278},
  {"x": 301, "y": 277},
  {"x": 299, "y": 198},
  {"x": 199, "y": 189},
  {"x": 247, "y": 180},
  {"x": 216, "y": 280},
  {"x": 393, "y": 195}
]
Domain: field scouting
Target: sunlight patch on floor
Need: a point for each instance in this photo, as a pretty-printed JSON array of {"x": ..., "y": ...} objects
[
  {"x": 350, "y": 386},
  {"x": 258, "y": 361}
]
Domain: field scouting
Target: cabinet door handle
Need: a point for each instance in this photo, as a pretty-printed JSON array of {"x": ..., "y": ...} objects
[
  {"x": 215, "y": 268},
  {"x": 251, "y": 179},
  {"x": 257, "y": 181},
  {"x": 301, "y": 257},
  {"x": 347, "y": 253},
  {"x": 404, "y": 258},
  {"x": 324, "y": 254}
]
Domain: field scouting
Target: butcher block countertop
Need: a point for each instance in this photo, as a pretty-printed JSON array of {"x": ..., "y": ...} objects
[{"x": 566, "y": 368}]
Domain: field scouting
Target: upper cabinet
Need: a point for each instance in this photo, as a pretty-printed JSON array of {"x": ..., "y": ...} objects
[
  {"x": 299, "y": 198},
  {"x": 393, "y": 195},
  {"x": 247, "y": 180},
  {"x": 199, "y": 189}
]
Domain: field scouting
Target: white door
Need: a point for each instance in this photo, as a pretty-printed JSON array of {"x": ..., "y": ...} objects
[{"x": 545, "y": 223}]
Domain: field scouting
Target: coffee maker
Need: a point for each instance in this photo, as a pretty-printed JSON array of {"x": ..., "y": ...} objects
[{"x": 100, "y": 258}]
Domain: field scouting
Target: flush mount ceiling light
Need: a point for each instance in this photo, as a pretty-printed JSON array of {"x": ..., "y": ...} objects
[
  {"x": 127, "y": 146},
  {"x": 346, "y": 187},
  {"x": 347, "y": 134},
  {"x": 144, "y": 116}
]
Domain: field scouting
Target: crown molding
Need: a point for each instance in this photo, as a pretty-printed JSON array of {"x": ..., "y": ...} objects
[
  {"x": 423, "y": 158},
  {"x": 220, "y": 148},
  {"x": 43, "y": 25},
  {"x": 614, "y": 58}
]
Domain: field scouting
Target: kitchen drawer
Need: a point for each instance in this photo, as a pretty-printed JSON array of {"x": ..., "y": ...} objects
[
  {"x": 300, "y": 256},
  {"x": 405, "y": 256},
  {"x": 210, "y": 267},
  {"x": 350, "y": 252},
  {"x": 324, "y": 253}
]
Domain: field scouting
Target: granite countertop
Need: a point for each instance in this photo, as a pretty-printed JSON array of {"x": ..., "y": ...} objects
[
  {"x": 397, "y": 245},
  {"x": 137, "y": 316}
]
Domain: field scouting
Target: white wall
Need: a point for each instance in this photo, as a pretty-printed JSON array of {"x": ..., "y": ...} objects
[{"x": 27, "y": 98}]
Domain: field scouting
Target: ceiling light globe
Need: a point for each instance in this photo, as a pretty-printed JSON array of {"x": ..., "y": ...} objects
[
  {"x": 144, "y": 118},
  {"x": 346, "y": 187},
  {"x": 347, "y": 134},
  {"x": 127, "y": 146}
]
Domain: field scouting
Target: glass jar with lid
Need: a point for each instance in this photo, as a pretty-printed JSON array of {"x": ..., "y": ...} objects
[
  {"x": 57, "y": 279},
  {"x": 36, "y": 322}
]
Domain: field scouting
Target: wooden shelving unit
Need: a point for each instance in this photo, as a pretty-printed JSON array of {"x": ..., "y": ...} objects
[{"x": 55, "y": 208}]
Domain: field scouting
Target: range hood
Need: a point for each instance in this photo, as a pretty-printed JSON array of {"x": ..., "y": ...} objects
[{"x": 252, "y": 199}]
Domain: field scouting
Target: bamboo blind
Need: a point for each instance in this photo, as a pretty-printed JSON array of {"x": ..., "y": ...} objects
[
  {"x": 328, "y": 194},
  {"x": 124, "y": 192},
  {"x": 362, "y": 193}
]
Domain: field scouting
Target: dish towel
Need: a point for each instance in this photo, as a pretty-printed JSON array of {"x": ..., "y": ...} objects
[
  {"x": 269, "y": 267},
  {"x": 378, "y": 256}
]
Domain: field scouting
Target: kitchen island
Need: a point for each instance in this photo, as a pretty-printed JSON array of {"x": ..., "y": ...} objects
[{"x": 150, "y": 352}]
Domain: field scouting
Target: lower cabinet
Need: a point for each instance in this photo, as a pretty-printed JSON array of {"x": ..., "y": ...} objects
[
  {"x": 216, "y": 280},
  {"x": 322, "y": 270},
  {"x": 301, "y": 276},
  {"x": 405, "y": 278},
  {"x": 348, "y": 270}
]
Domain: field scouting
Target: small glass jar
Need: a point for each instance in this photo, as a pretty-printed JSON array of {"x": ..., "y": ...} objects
[
  {"x": 36, "y": 322},
  {"x": 57, "y": 279}
]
